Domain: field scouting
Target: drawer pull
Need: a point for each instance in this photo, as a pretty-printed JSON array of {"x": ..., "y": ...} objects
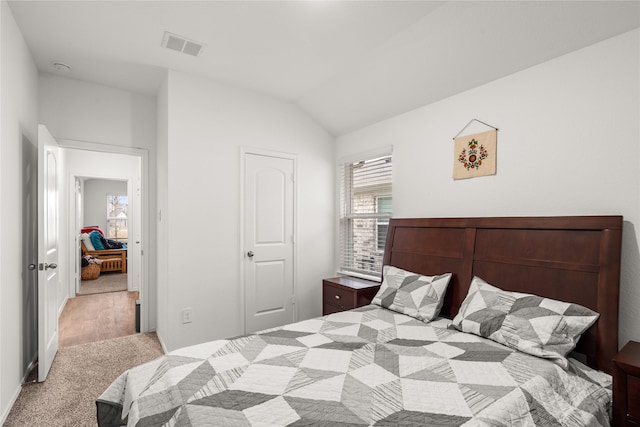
[{"x": 337, "y": 296}]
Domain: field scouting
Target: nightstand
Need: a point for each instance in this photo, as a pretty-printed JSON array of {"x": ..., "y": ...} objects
[
  {"x": 345, "y": 293},
  {"x": 626, "y": 386}
]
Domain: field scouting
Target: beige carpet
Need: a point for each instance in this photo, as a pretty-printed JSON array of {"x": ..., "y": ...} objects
[
  {"x": 106, "y": 282},
  {"x": 78, "y": 376}
]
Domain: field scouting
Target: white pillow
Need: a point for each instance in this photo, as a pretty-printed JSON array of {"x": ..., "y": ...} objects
[
  {"x": 542, "y": 327},
  {"x": 87, "y": 242},
  {"x": 412, "y": 294}
]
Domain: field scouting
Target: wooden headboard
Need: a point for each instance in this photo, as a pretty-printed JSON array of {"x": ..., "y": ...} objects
[{"x": 574, "y": 259}]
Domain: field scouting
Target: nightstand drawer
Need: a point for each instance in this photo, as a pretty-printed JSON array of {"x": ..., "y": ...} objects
[
  {"x": 339, "y": 297},
  {"x": 344, "y": 293},
  {"x": 633, "y": 397}
]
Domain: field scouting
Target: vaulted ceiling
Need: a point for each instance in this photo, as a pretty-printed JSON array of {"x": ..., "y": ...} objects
[{"x": 346, "y": 63}]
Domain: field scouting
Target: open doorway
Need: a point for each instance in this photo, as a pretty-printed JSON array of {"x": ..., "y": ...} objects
[
  {"x": 102, "y": 222},
  {"x": 105, "y": 196}
]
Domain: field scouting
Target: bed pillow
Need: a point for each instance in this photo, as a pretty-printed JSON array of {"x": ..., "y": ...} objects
[
  {"x": 412, "y": 294},
  {"x": 87, "y": 242},
  {"x": 532, "y": 324},
  {"x": 96, "y": 239}
]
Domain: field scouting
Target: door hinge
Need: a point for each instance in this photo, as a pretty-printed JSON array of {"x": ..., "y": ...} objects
[{"x": 293, "y": 300}]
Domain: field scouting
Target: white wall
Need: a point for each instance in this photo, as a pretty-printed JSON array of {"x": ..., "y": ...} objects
[
  {"x": 568, "y": 144},
  {"x": 95, "y": 200},
  {"x": 18, "y": 159},
  {"x": 207, "y": 123},
  {"x": 80, "y": 111}
]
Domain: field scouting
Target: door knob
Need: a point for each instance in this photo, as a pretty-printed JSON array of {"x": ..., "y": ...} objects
[
  {"x": 52, "y": 265},
  {"x": 250, "y": 254}
]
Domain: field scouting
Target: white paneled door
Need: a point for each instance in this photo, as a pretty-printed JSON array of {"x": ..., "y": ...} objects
[
  {"x": 269, "y": 183},
  {"x": 48, "y": 234}
]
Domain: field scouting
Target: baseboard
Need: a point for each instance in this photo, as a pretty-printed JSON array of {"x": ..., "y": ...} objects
[
  {"x": 164, "y": 347},
  {"x": 12, "y": 402},
  {"x": 61, "y": 308}
]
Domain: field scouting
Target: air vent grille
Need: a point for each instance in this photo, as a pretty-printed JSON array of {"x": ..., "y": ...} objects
[{"x": 181, "y": 44}]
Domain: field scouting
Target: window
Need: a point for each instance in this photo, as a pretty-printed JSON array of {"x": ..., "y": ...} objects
[
  {"x": 117, "y": 225},
  {"x": 383, "y": 206},
  {"x": 365, "y": 209}
]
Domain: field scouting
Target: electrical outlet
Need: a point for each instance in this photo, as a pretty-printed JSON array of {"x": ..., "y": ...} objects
[{"x": 187, "y": 315}]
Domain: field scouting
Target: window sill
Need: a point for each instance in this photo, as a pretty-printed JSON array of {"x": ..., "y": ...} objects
[{"x": 373, "y": 278}]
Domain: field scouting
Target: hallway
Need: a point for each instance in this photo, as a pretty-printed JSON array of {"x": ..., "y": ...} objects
[{"x": 96, "y": 317}]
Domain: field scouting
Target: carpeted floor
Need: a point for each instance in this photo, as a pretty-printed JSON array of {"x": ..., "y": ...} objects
[
  {"x": 78, "y": 376},
  {"x": 106, "y": 282}
]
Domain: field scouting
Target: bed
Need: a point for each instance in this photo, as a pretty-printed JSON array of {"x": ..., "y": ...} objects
[{"x": 384, "y": 366}]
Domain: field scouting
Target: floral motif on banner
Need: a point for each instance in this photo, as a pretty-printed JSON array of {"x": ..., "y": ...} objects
[{"x": 472, "y": 159}]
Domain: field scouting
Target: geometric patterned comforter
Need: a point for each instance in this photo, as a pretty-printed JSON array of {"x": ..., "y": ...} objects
[{"x": 364, "y": 367}]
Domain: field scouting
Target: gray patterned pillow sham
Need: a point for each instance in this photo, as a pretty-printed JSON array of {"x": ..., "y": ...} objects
[
  {"x": 412, "y": 294},
  {"x": 535, "y": 325}
]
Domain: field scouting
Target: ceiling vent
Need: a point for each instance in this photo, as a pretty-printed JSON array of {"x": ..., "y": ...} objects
[{"x": 181, "y": 44}]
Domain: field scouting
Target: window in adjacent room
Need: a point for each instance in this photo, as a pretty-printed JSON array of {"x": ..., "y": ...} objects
[
  {"x": 365, "y": 210},
  {"x": 117, "y": 221}
]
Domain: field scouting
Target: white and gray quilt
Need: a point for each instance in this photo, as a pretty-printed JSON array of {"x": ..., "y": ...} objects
[{"x": 364, "y": 367}]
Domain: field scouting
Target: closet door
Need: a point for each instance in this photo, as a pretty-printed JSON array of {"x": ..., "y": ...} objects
[{"x": 268, "y": 241}]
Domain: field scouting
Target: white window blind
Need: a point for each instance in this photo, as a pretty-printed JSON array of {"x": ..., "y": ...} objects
[{"x": 365, "y": 209}]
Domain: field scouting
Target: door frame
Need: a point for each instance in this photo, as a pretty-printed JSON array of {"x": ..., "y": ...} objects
[
  {"x": 282, "y": 155},
  {"x": 143, "y": 154},
  {"x": 134, "y": 226},
  {"x": 78, "y": 190}
]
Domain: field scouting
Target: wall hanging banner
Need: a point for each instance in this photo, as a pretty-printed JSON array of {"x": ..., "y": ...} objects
[{"x": 475, "y": 154}]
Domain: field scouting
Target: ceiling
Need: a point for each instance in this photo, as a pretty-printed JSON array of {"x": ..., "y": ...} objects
[{"x": 346, "y": 63}]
